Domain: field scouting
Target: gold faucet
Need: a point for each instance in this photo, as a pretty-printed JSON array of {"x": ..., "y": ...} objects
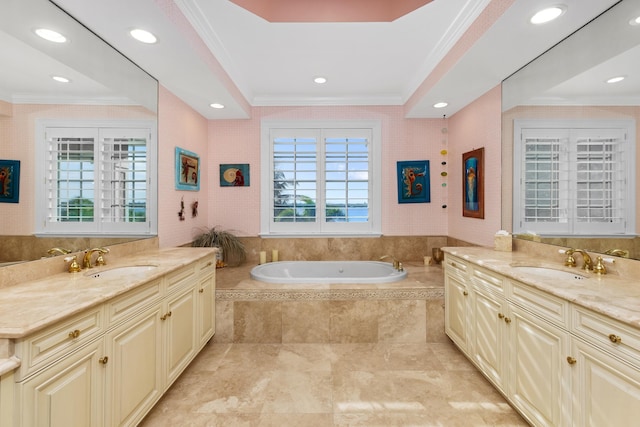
[
  {"x": 86, "y": 260},
  {"x": 396, "y": 264},
  {"x": 58, "y": 251},
  {"x": 618, "y": 252},
  {"x": 571, "y": 262}
]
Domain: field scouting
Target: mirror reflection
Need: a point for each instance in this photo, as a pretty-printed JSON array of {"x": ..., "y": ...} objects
[
  {"x": 590, "y": 78},
  {"x": 82, "y": 78}
]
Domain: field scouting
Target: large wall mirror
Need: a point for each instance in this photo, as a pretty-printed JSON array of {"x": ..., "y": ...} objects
[
  {"x": 569, "y": 82},
  {"x": 102, "y": 84}
]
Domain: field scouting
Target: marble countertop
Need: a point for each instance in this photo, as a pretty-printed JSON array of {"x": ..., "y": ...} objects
[
  {"x": 35, "y": 304},
  {"x": 610, "y": 294}
]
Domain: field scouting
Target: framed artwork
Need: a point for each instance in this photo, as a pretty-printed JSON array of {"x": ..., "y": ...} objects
[
  {"x": 413, "y": 182},
  {"x": 234, "y": 175},
  {"x": 187, "y": 170},
  {"x": 473, "y": 183},
  {"x": 9, "y": 181}
]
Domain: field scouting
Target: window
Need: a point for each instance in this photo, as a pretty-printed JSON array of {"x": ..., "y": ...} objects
[
  {"x": 98, "y": 178},
  {"x": 574, "y": 178},
  {"x": 323, "y": 178}
]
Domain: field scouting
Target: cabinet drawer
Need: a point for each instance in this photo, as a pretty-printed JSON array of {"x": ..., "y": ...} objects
[
  {"x": 607, "y": 333},
  {"x": 207, "y": 266},
  {"x": 186, "y": 276},
  {"x": 549, "y": 307},
  {"x": 487, "y": 280},
  {"x": 123, "y": 307},
  {"x": 455, "y": 266},
  {"x": 58, "y": 340}
]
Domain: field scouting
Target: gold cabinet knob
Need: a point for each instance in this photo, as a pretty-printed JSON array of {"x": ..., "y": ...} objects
[
  {"x": 500, "y": 316},
  {"x": 615, "y": 339},
  {"x": 465, "y": 293},
  {"x": 165, "y": 316},
  {"x": 74, "y": 334},
  {"x": 201, "y": 290},
  {"x": 571, "y": 360},
  {"x": 103, "y": 360},
  {"x": 507, "y": 320}
]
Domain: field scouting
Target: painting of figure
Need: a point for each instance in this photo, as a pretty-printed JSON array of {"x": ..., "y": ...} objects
[
  {"x": 187, "y": 170},
  {"x": 473, "y": 184},
  {"x": 9, "y": 181}
]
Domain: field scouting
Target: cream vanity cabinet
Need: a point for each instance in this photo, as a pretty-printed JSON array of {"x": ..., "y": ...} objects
[
  {"x": 518, "y": 351},
  {"x": 457, "y": 318},
  {"x": 109, "y": 366}
]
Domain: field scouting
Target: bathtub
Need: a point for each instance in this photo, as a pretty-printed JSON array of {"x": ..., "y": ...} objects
[{"x": 327, "y": 272}]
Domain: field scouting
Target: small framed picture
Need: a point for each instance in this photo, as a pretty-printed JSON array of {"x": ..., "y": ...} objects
[
  {"x": 473, "y": 183},
  {"x": 234, "y": 175},
  {"x": 413, "y": 182},
  {"x": 9, "y": 181},
  {"x": 187, "y": 170}
]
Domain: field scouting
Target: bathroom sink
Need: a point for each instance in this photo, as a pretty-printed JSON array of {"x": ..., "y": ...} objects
[
  {"x": 549, "y": 272},
  {"x": 122, "y": 271}
]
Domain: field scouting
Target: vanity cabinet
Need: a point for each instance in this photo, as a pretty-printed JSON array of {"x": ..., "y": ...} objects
[
  {"x": 559, "y": 364},
  {"x": 109, "y": 366}
]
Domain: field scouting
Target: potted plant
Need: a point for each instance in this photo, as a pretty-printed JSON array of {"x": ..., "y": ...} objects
[{"x": 231, "y": 250}]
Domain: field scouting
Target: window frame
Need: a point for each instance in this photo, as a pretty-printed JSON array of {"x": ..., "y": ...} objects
[
  {"x": 370, "y": 228},
  {"x": 571, "y": 131},
  {"x": 97, "y": 228}
]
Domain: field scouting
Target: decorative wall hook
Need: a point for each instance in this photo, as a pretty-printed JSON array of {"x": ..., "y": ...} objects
[
  {"x": 181, "y": 212},
  {"x": 194, "y": 209}
]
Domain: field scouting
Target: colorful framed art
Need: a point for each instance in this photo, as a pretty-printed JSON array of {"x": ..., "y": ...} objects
[
  {"x": 414, "y": 184},
  {"x": 9, "y": 181},
  {"x": 187, "y": 170},
  {"x": 234, "y": 175},
  {"x": 473, "y": 184}
]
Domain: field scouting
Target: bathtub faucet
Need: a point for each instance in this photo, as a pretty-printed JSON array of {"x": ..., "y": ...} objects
[{"x": 396, "y": 264}]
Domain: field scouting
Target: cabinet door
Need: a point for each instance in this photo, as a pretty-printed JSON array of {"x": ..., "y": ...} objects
[
  {"x": 456, "y": 311},
  {"x": 134, "y": 382},
  {"x": 488, "y": 337},
  {"x": 206, "y": 309},
  {"x": 539, "y": 375},
  {"x": 606, "y": 390},
  {"x": 180, "y": 331},
  {"x": 67, "y": 393}
]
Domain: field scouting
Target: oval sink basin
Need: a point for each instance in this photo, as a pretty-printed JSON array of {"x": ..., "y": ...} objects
[
  {"x": 549, "y": 272},
  {"x": 122, "y": 271}
]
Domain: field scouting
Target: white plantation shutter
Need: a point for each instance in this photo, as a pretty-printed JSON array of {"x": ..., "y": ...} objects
[
  {"x": 321, "y": 179},
  {"x": 97, "y": 180},
  {"x": 573, "y": 181}
]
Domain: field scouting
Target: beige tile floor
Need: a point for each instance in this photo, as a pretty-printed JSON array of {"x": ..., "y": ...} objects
[{"x": 309, "y": 385}]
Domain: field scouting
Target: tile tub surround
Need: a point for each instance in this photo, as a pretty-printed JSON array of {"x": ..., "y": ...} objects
[
  {"x": 408, "y": 311},
  {"x": 403, "y": 248}
]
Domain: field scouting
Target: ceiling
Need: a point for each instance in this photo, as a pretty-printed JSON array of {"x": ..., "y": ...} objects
[{"x": 216, "y": 51}]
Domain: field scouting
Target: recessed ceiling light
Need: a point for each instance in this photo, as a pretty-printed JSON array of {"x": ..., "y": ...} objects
[
  {"x": 615, "y": 79},
  {"x": 547, "y": 15},
  {"x": 60, "y": 79},
  {"x": 320, "y": 80},
  {"x": 52, "y": 36},
  {"x": 440, "y": 105},
  {"x": 143, "y": 36},
  {"x": 635, "y": 21},
  {"x": 217, "y": 105}
]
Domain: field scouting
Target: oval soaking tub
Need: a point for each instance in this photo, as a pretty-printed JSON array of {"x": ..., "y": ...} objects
[{"x": 327, "y": 272}]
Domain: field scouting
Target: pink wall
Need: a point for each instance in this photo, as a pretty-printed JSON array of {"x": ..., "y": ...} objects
[
  {"x": 477, "y": 125},
  {"x": 238, "y": 141},
  {"x": 179, "y": 125}
]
